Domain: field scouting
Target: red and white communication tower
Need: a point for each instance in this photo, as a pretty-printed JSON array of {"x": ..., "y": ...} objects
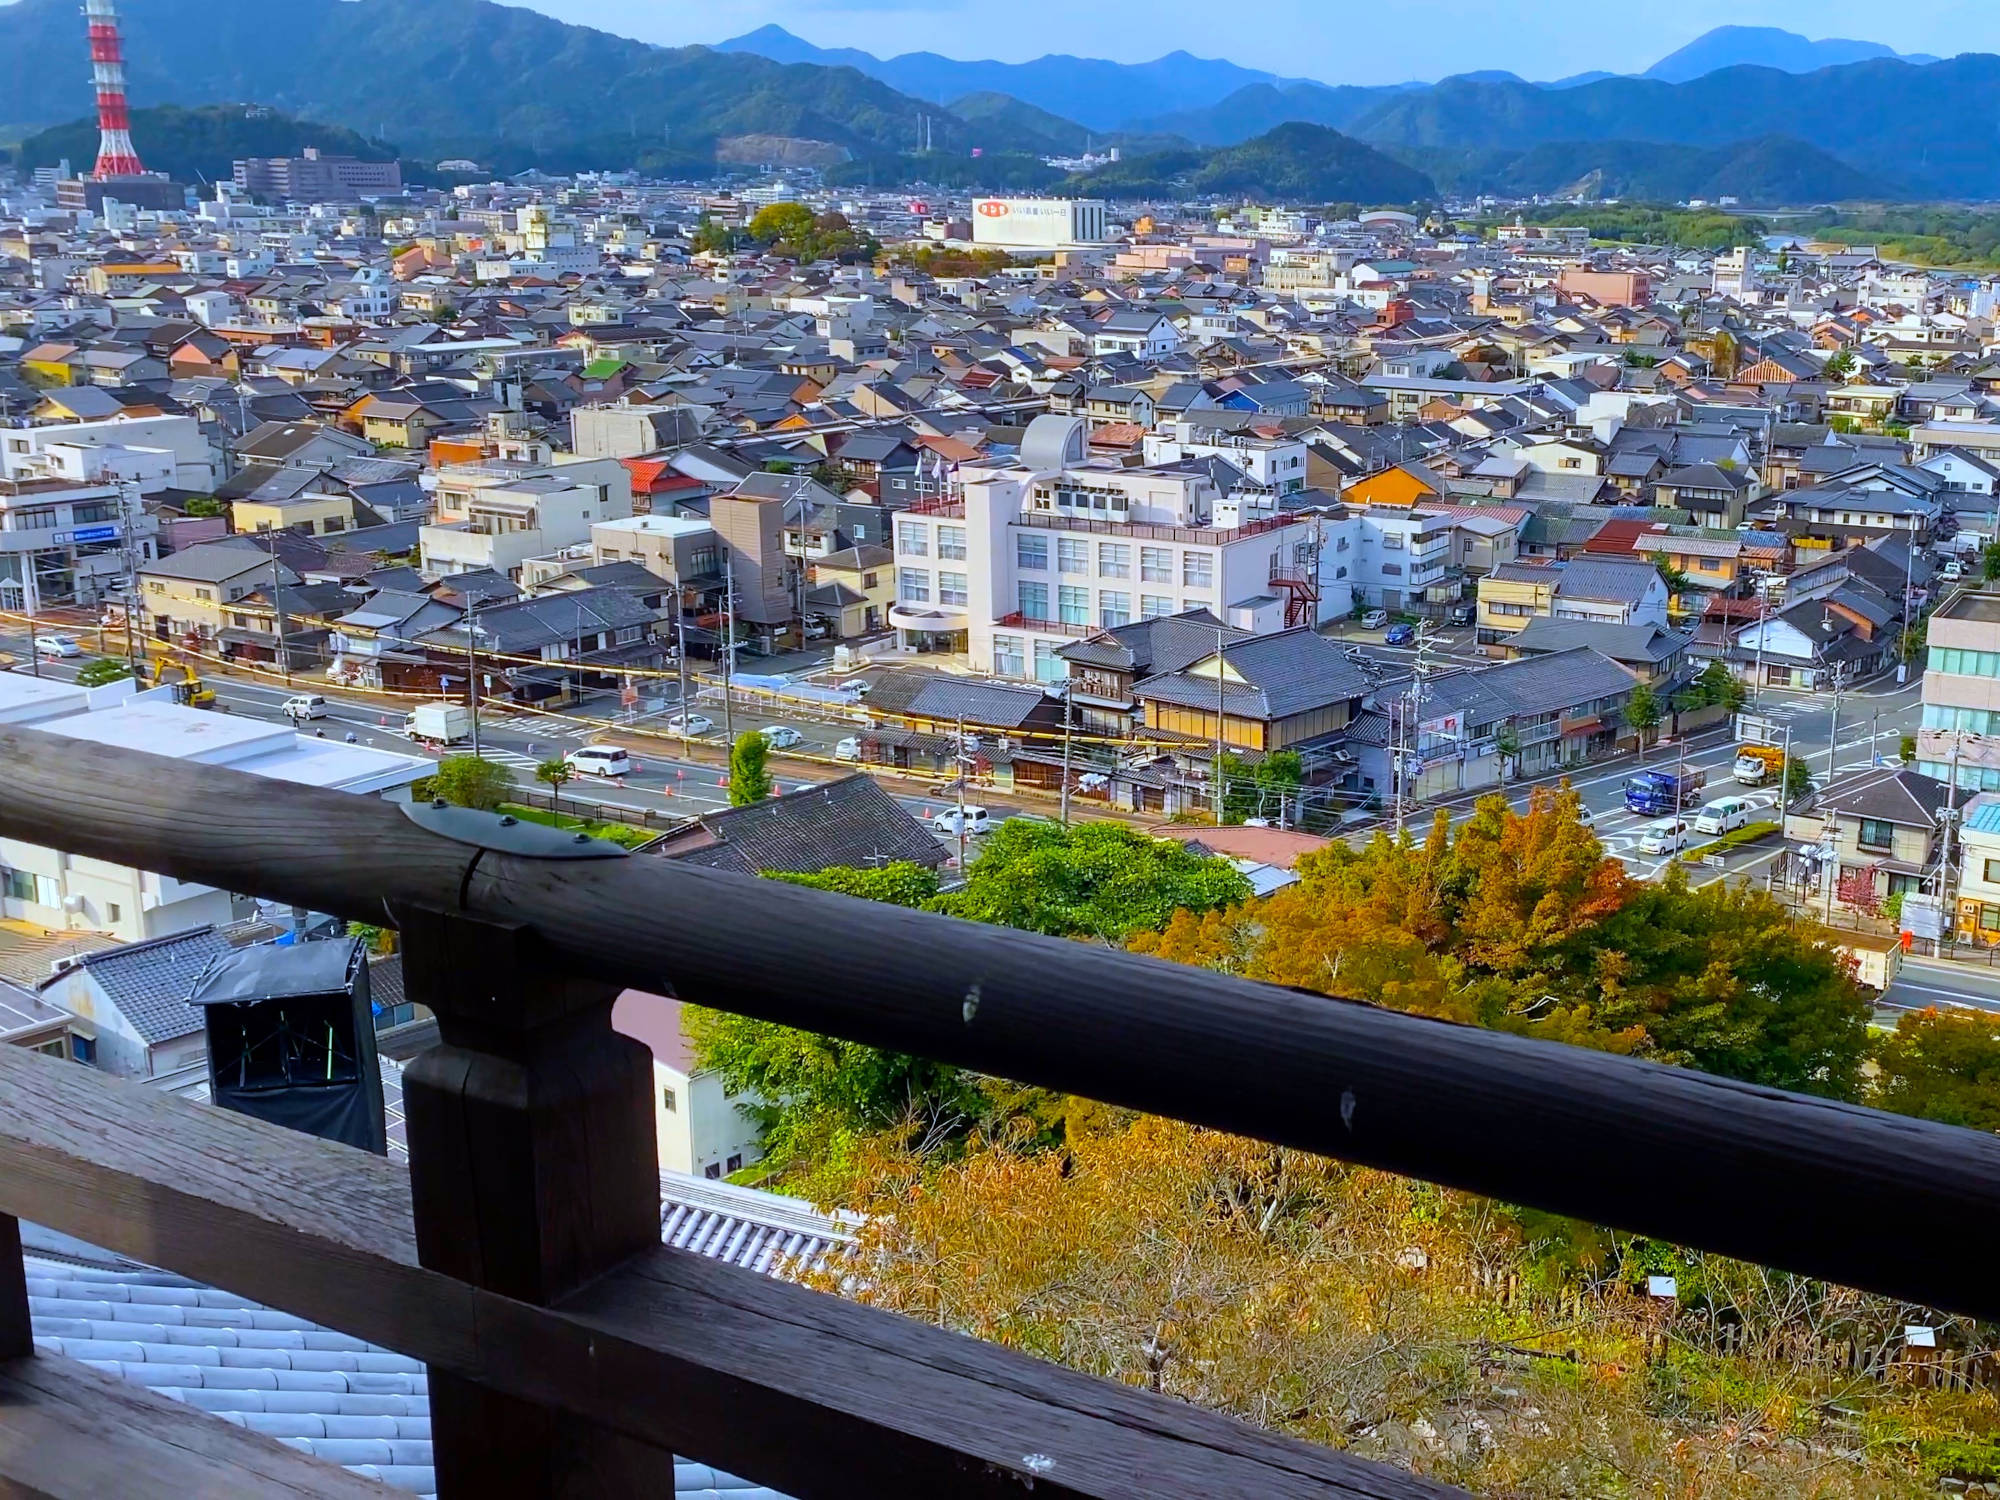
[{"x": 116, "y": 156}]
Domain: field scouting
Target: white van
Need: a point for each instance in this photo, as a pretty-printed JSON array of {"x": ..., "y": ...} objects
[
  {"x": 976, "y": 821},
  {"x": 600, "y": 760},
  {"x": 303, "y": 706},
  {"x": 1668, "y": 836},
  {"x": 1724, "y": 815}
]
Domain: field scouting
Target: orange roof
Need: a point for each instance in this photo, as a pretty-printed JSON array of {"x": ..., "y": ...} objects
[
  {"x": 1390, "y": 487},
  {"x": 1117, "y": 435}
]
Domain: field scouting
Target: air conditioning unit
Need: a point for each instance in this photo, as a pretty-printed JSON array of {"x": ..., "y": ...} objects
[{"x": 73, "y": 905}]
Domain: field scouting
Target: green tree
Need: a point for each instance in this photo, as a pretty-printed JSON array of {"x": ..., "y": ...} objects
[
  {"x": 1942, "y": 1065},
  {"x": 555, "y": 773},
  {"x": 1675, "y": 580},
  {"x": 104, "y": 669},
  {"x": 1263, "y": 790},
  {"x": 204, "y": 506},
  {"x": 1093, "y": 880},
  {"x": 712, "y": 237},
  {"x": 1642, "y": 712},
  {"x": 781, "y": 223},
  {"x": 749, "y": 770},
  {"x": 468, "y": 781},
  {"x": 1798, "y": 780},
  {"x": 899, "y": 884},
  {"x": 1906, "y": 750},
  {"x": 1841, "y": 365},
  {"x": 1989, "y": 562}
]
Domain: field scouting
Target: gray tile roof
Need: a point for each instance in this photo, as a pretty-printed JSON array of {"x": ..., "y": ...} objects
[
  {"x": 1622, "y": 643},
  {"x": 1533, "y": 685},
  {"x": 1887, "y": 794},
  {"x": 1604, "y": 579},
  {"x": 851, "y": 822},
  {"x": 1292, "y": 672},
  {"x": 150, "y": 982}
]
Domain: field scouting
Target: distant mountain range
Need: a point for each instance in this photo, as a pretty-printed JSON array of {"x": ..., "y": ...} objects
[
  {"x": 512, "y": 88},
  {"x": 1766, "y": 47}
]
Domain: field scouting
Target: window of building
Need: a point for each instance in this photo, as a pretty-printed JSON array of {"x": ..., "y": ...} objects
[
  {"x": 735, "y": 1164},
  {"x": 1114, "y": 560},
  {"x": 1073, "y": 605},
  {"x": 1993, "y": 872},
  {"x": 1877, "y": 834},
  {"x": 1114, "y": 609},
  {"x": 1032, "y": 553},
  {"x": 951, "y": 588},
  {"x": 1989, "y": 918},
  {"x": 112, "y": 911},
  {"x": 83, "y": 1048},
  {"x": 713, "y": 1171},
  {"x": 668, "y": 1102},
  {"x": 1048, "y": 666},
  {"x": 1072, "y": 554},
  {"x": 1198, "y": 570},
  {"x": 1156, "y": 565},
  {"x": 20, "y": 885},
  {"x": 951, "y": 542},
  {"x": 1034, "y": 600},
  {"x": 913, "y": 585},
  {"x": 1153, "y": 606},
  {"x": 1392, "y": 541},
  {"x": 913, "y": 540},
  {"x": 871, "y": 580},
  {"x": 1964, "y": 663},
  {"x": 1008, "y": 660}
]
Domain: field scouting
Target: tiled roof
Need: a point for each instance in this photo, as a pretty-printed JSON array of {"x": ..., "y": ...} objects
[
  {"x": 150, "y": 982},
  {"x": 850, "y": 822},
  {"x": 1280, "y": 675}
]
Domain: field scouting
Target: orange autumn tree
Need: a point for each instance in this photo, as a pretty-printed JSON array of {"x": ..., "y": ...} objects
[{"x": 1519, "y": 921}]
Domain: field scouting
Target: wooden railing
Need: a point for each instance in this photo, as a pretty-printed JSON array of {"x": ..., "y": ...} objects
[{"x": 570, "y": 1352}]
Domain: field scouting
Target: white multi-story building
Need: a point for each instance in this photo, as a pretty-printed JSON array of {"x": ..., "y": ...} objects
[
  {"x": 157, "y": 451},
  {"x": 500, "y": 512},
  {"x": 1273, "y": 464},
  {"x": 1039, "y": 223},
  {"x": 1043, "y": 549}
]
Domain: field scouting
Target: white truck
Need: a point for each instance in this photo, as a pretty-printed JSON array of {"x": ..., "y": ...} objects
[{"x": 439, "y": 724}]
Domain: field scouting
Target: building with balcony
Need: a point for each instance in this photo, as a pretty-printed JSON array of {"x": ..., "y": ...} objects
[
  {"x": 1601, "y": 591},
  {"x": 498, "y": 513},
  {"x": 1045, "y": 549},
  {"x": 1960, "y": 733}
]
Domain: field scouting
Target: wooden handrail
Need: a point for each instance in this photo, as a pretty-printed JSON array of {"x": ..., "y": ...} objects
[
  {"x": 671, "y": 1348},
  {"x": 1806, "y": 1184}
]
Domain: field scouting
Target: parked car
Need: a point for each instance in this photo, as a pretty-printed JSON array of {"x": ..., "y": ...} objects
[
  {"x": 600, "y": 760},
  {"x": 692, "y": 725},
  {"x": 57, "y": 645},
  {"x": 848, "y": 749},
  {"x": 1463, "y": 614},
  {"x": 1952, "y": 571},
  {"x": 302, "y": 706},
  {"x": 781, "y": 736},
  {"x": 1724, "y": 815},
  {"x": 1400, "y": 635},
  {"x": 976, "y": 821},
  {"x": 1668, "y": 836},
  {"x": 1375, "y": 619}
]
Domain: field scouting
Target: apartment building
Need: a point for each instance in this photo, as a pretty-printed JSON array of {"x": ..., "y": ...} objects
[
  {"x": 1045, "y": 549},
  {"x": 1960, "y": 733},
  {"x": 498, "y": 513},
  {"x": 1601, "y": 591}
]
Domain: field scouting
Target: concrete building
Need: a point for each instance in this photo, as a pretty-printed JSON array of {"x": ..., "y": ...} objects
[
  {"x": 1039, "y": 223},
  {"x": 1960, "y": 732},
  {"x": 1048, "y": 547},
  {"x": 314, "y": 178},
  {"x": 498, "y": 513},
  {"x": 702, "y": 1129},
  {"x": 64, "y": 892}
]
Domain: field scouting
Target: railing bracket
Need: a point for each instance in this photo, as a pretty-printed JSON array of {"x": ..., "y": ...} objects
[{"x": 507, "y": 835}]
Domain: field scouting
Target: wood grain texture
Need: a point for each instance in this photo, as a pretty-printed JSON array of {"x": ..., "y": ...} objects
[
  {"x": 1816, "y": 1187},
  {"x": 68, "y": 1432},
  {"x": 670, "y": 1349}
]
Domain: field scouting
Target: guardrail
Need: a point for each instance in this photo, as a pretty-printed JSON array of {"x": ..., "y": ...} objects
[{"x": 520, "y": 1255}]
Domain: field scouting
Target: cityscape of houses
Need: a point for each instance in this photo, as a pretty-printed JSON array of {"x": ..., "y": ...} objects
[{"x": 1044, "y": 508}]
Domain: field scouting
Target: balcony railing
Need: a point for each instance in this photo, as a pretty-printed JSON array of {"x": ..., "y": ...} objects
[{"x": 570, "y": 1352}]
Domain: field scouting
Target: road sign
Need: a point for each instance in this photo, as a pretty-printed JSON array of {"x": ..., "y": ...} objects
[
  {"x": 95, "y": 534},
  {"x": 1752, "y": 730},
  {"x": 1923, "y": 916}
]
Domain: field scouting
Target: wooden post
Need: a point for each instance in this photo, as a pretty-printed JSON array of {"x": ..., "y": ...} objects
[
  {"x": 533, "y": 1170},
  {"x": 16, "y": 1338}
]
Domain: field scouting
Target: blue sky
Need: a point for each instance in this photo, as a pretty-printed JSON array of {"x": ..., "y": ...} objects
[{"x": 1337, "y": 41}]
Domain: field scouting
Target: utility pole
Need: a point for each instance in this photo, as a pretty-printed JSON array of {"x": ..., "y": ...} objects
[
  {"x": 278, "y": 612},
  {"x": 1221, "y": 686},
  {"x": 472, "y": 667},
  {"x": 963, "y": 763},
  {"x": 1068, "y": 702},
  {"x": 1833, "y": 731},
  {"x": 30, "y": 590},
  {"x": 728, "y": 648},
  {"x": 1763, "y": 621},
  {"x": 128, "y": 515},
  {"x": 1785, "y": 782},
  {"x": 681, "y": 649}
]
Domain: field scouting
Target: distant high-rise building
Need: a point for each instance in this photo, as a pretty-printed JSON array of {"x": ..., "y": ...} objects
[
  {"x": 314, "y": 178},
  {"x": 116, "y": 155}
]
